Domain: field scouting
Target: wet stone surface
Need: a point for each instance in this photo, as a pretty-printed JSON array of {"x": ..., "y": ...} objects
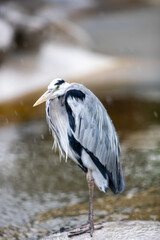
[{"x": 136, "y": 230}]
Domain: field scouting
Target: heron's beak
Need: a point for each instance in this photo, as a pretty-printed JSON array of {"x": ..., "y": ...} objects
[{"x": 44, "y": 97}]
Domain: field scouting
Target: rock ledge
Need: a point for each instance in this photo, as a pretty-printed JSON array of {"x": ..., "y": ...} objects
[{"x": 135, "y": 230}]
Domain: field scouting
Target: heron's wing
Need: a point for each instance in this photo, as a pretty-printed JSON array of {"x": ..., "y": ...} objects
[{"x": 91, "y": 127}]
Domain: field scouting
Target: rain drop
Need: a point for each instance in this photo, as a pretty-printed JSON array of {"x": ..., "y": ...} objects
[
  {"x": 15, "y": 112},
  {"x": 156, "y": 114},
  {"x": 7, "y": 120},
  {"x": 42, "y": 136}
]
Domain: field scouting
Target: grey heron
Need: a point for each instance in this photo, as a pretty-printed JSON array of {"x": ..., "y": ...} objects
[{"x": 84, "y": 132}]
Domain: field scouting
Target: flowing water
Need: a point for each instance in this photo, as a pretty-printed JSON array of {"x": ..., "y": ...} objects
[{"x": 38, "y": 191}]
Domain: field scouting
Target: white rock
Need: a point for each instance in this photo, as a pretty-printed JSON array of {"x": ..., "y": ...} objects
[
  {"x": 133, "y": 230},
  {"x": 7, "y": 34}
]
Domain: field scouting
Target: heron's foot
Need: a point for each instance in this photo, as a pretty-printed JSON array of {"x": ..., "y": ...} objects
[{"x": 85, "y": 228}]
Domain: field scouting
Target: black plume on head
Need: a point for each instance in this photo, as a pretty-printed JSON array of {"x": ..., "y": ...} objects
[{"x": 59, "y": 82}]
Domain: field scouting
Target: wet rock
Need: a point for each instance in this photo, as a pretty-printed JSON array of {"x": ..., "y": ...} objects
[
  {"x": 135, "y": 230},
  {"x": 27, "y": 73},
  {"x": 28, "y": 27},
  {"x": 6, "y": 39},
  {"x": 32, "y": 27}
]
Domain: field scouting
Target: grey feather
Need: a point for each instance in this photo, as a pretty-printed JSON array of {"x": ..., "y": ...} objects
[
  {"x": 95, "y": 131},
  {"x": 84, "y": 119}
]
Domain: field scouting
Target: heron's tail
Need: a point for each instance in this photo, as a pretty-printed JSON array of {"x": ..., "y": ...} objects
[{"x": 116, "y": 184}]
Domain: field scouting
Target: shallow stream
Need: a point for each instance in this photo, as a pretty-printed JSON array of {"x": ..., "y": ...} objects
[{"x": 39, "y": 192}]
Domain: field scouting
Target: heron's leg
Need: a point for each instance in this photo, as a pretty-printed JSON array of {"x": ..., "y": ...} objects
[
  {"x": 85, "y": 228},
  {"x": 91, "y": 191}
]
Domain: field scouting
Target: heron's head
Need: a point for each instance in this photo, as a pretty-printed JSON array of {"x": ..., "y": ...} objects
[{"x": 55, "y": 89}]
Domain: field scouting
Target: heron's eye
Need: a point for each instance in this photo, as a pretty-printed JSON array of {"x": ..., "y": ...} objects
[{"x": 57, "y": 87}]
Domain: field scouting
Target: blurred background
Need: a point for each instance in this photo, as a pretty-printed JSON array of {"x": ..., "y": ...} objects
[{"x": 113, "y": 48}]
